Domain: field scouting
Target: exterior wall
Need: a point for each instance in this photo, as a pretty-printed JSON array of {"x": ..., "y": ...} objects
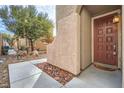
[
  {"x": 0, "y": 44},
  {"x": 22, "y": 42},
  {"x": 120, "y": 41},
  {"x": 40, "y": 45},
  {"x": 64, "y": 52},
  {"x": 85, "y": 38},
  {"x": 64, "y": 10},
  {"x": 123, "y": 46}
]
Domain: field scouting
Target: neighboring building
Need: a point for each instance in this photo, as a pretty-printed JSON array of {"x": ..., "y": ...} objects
[
  {"x": 88, "y": 34},
  {"x": 39, "y": 44},
  {"x": 20, "y": 43}
]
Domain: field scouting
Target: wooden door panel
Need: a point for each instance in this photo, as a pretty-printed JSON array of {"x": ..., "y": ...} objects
[{"x": 105, "y": 40}]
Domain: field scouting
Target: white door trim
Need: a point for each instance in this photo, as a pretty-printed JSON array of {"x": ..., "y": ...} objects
[{"x": 119, "y": 30}]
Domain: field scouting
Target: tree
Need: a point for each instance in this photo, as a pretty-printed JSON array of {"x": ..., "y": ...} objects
[
  {"x": 48, "y": 27},
  {"x": 41, "y": 27},
  {"x": 26, "y": 22},
  {"x": 11, "y": 16}
]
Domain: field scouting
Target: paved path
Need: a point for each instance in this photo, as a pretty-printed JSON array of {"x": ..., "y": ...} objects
[
  {"x": 1, "y": 61},
  {"x": 27, "y": 75},
  {"x": 96, "y": 78}
]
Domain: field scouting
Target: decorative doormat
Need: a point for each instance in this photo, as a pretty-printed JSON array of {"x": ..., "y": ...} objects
[
  {"x": 58, "y": 74},
  {"x": 104, "y": 68}
]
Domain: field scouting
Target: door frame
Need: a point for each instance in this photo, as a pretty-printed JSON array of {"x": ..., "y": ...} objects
[{"x": 119, "y": 35}]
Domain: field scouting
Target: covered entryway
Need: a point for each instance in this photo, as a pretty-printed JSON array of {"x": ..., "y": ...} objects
[
  {"x": 75, "y": 48},
  {"x": 100, "y": 45},
  {"x": 101, "y": 35}
]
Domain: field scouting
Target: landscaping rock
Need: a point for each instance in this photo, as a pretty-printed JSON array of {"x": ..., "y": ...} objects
[
  {"x": 58, "y": 74},
  {"x": 56, "y": 78}
]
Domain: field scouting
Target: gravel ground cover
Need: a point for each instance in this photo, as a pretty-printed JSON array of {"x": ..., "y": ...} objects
[{"x": 58, "y": 74}]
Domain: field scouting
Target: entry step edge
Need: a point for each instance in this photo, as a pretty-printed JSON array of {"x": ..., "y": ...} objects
[{"x": 105, "y": 66}]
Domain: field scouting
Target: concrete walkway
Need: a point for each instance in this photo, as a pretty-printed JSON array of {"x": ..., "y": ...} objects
[
  {"x": 1, "y": 61},
  {"x": 27, "y": 75},
  {"x": 96, "y": 78}
]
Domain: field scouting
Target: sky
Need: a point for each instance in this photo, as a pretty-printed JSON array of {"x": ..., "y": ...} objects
[
  {"x": 49, "y": 9},
  {"x": 3, "y": 28}
]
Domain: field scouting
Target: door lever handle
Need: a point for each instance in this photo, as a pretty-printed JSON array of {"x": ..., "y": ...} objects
[
  {"x": 114, "y": 47},
  {"x": 114, "y": 53}
]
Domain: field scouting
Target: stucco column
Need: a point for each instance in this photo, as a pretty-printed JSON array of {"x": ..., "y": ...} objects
[
  {"x": 123, "y": 46},
  {"x": 64, "y": 52}
]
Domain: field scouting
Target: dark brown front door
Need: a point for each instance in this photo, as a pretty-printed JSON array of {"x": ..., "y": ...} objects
[{"x": 105, "y": 40}]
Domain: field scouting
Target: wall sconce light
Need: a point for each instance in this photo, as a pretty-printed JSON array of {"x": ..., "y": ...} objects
[{"x": 116, "y": 19}]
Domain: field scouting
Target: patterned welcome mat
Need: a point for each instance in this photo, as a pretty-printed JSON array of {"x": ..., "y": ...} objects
[{"x": 104, "y": 68}]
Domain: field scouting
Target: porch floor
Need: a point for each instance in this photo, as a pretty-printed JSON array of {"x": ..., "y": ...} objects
[{"x": 96, "y": 78}]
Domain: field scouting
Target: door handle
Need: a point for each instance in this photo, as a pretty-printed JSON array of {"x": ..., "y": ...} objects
[
  {"x": 114, "y": 53},
  {"x": 114, "y": 49}
]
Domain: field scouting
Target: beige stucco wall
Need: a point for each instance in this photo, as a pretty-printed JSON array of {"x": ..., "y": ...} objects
[
  {"x": 64, "y": 10},
  {"x": 64, "y": 52},
  {"x": 123, "y": 46},
  {"x": 85, "y": 38}
]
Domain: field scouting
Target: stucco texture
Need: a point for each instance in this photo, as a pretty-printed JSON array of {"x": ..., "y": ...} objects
[
  {"x": 64, "y": 51},
  {"x": 64, "y": 10},
  {"x": 85, "y": 39}
]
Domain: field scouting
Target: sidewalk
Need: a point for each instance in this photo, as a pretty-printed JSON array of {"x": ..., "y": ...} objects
[{"x": 26, "y": 75}]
